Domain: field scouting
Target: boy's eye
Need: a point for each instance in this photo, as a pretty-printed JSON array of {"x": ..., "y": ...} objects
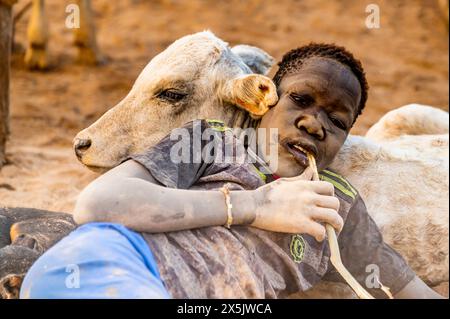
[
  {"x": 338, "y": 123},
  {"x": 302, "y": 100},
  {"x": 171, "y": 95}
]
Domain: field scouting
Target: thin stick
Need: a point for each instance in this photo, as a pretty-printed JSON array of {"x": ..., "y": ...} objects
[{"x": 334, "y": 248}]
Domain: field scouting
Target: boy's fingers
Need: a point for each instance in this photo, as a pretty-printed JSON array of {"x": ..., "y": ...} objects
[
  {"x": 307, "y": 174},
  {"x": 327, "y": 202},
  {"x": 323, "y": 188},
  {"x": 316, "y": 230},
  {"x": 329, "y": 216}
]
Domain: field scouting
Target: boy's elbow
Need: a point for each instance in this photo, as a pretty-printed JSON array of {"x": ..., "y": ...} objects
[
  {"x": 82, "y": 213},
  {"x": 88, "y": 207}
]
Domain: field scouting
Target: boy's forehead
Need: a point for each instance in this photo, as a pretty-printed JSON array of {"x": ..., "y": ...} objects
[
  {"x": 325, "y": 69},
  {"x": 323, "y": 75}
]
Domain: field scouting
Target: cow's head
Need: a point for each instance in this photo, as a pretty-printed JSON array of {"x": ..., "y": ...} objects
[{"x": 198, "y": 76}]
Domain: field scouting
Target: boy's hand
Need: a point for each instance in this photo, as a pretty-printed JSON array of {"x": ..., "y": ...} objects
[{"x": 297, "y": 205}]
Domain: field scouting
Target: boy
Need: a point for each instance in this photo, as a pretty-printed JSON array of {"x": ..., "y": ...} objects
[{"x": 322, "y": 90}]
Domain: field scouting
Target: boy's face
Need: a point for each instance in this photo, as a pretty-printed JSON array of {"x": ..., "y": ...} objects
[{"x": 316, "y": 109}]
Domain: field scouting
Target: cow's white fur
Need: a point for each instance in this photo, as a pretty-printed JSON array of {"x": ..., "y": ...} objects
[{"x": 219, "y": 83}]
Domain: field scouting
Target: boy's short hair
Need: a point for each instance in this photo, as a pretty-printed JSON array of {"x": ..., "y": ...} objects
[{"x": 293, "y": 60}]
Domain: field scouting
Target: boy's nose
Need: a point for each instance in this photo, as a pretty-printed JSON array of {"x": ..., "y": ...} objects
[{"x": 311, "y": 125}]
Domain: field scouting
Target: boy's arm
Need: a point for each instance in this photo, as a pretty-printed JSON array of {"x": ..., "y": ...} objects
[
  {"x": 129, "y": 195},
  {"x": 149, "y": 193}
]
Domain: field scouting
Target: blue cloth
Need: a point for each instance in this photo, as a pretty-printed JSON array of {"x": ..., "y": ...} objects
[{"x": 97, "y": 260}]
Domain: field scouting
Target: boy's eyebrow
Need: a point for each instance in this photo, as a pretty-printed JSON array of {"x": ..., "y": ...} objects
[
  {"x": 314, "y": 88},
  {"x": 307, "y": 83}
]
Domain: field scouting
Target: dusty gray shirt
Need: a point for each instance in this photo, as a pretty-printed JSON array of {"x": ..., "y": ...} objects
[{"x": 245, "y": 262}]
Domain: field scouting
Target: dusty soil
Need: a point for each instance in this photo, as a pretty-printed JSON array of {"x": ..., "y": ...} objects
[{"x": 406, "y": 60}]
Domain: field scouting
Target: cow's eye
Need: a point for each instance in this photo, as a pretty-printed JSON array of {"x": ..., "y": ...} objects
[{"x": 171, "y": 95}]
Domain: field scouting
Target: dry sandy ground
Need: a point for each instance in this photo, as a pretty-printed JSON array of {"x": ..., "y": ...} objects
[{"x": 406, "y": 61}]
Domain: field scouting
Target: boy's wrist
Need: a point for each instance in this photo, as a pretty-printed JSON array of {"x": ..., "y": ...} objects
[{"x": 244, "y": 207}]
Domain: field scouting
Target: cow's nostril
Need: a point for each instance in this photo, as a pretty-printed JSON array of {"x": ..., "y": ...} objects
[{"x": 81, "y": 146}]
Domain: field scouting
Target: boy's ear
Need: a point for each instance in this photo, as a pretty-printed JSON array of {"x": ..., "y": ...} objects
[
  {"x": 254, "y": 93},
  {"x": 258, "y": 60}
]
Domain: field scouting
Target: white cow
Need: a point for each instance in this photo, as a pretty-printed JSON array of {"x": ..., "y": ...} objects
[{"x": 214, "y": 81}]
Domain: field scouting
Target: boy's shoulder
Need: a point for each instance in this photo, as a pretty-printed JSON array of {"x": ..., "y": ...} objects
[{"x": 202, "y": 154}]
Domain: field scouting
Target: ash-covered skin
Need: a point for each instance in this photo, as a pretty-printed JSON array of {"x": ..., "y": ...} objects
[{"x": 316, "y": 109}]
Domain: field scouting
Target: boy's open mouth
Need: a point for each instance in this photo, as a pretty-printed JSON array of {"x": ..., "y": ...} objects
[{"x": 299, "y": 151}]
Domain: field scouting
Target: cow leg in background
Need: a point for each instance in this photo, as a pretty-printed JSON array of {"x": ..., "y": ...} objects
[
  {"x": 25, "y": 234},
  {"x": 37, "y": 35},
  {"x": 85, "y": 37}
]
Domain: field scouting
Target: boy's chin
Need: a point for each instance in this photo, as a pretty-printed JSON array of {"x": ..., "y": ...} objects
[{"x": 290, "y": 169}]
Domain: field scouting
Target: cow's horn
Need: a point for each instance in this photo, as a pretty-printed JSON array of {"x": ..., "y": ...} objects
[{"x": 258, "y": 60}]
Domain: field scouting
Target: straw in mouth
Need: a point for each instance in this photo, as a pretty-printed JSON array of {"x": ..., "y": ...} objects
[{"x": 334, "y": 246}]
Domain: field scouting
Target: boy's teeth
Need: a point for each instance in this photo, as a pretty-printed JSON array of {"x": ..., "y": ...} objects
[{"x": 301, "y": 149}]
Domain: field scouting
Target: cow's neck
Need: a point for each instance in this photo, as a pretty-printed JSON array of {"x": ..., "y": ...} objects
[{"x": 356, "y": 153}]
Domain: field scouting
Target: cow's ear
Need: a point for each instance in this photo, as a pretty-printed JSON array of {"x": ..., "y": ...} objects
[
  {"x": 258, "y": 60},
  {"x": 254, "y": 93}
]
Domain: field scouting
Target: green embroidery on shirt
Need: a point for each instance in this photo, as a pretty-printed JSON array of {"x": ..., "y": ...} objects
[
  {"x": 220, "y": 128},
  {"x": 297, "y": 248},
  {"x": 215, "y": 121},
  {"x": 218, "y": 125},
  {"x": 343, "y": 180}
]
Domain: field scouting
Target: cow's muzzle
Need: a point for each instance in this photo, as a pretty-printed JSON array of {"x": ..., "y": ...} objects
[{"x": 80, "y": 146}]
